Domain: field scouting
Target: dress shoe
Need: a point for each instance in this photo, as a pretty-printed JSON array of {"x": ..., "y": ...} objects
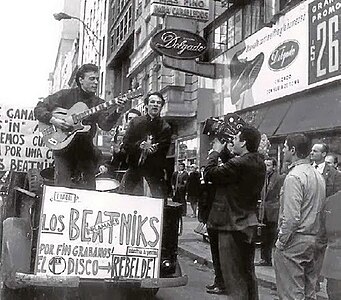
[
  {"x": 217, "y": 291},
  {"x": 211, "y": 286},
  {"x": 263, "y": 263}
]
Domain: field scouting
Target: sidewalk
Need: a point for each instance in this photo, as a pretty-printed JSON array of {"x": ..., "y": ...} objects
[{"x": 193, "y": 245}]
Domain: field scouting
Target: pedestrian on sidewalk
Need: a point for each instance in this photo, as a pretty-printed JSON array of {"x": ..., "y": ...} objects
[
  {"x": 203, "y": 206},
  {"x": 269, "y": 216},
  {"x": 238, "y": 182},
  {"x": 333, "y": 178},
  {"x": 193, "y": 189},
  {"x": 179, "y": 181},
  {"x": 301, "y": 201},
  {"x": 329, "y": 239}
]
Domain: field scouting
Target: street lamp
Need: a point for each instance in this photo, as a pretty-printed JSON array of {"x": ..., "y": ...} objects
[{"x": 63, "y": 16}]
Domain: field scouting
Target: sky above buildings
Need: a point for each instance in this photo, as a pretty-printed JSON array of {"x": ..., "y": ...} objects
[{"x": 29, "y": 43}]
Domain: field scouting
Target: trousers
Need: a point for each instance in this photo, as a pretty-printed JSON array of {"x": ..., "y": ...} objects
[
  {"x": 334, "y": 288},
  {"x": 70, "y": 172},
  {"x": 214, "y": 245},
  {"x": 132, "y": 184},
  {"x": 296, "y": 275},
  {"x": 268, "y": 238},
  {"x": 237, "y": 264}
]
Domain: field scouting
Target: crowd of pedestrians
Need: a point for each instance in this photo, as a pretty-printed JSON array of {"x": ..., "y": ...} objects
[{"x": 298, "y": 217}]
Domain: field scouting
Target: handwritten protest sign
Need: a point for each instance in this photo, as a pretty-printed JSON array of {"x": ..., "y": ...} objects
[
  {"x": 93, "y": 234},
  {"x": 21, "y": 147}
]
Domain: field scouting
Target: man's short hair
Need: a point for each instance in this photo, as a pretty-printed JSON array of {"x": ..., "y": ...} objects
[
  {"x": 273, "y": 160},
  {"x": 86, "y": 68},
  {"x": 132, "y": 111},
  {"x": 301, "y": 143},
  {"x": 156, "y": 94},
  {"x": 325, "y": 147},
  {"x": 251, "y": 136}
]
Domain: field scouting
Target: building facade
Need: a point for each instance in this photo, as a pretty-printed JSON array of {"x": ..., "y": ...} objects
[
  {"x": 281, "y": 68},
  {"x": 67, "y": 47}
]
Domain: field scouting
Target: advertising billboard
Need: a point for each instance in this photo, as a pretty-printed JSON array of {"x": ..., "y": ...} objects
[{"x": 299, "y": 52}]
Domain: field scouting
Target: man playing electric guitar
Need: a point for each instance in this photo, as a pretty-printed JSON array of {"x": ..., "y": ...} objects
[
  {"x": 80, "y": 157},
  {"x": 146, "y": 143}
]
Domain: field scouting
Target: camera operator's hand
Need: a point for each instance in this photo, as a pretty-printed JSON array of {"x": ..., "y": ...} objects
[{"x": 217, "y": 145}]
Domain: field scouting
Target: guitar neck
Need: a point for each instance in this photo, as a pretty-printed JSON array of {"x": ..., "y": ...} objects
[
  {"x": 93, "y": 110},
  {"x": 82, "y": 115}
]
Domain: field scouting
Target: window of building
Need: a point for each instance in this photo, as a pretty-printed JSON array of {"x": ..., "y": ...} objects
[
  {"x": 233, "y": 26},
  {"x": 148, "y": 25},
  {"x": 103, "y": 45},
  {"x": 112, "y": 43},
  {"x": 187, "y": 151},
  {"x": 130, "y": 16},
  {"x": 121, "y": 30},
  {"x": 139, "y": 9},
  {"x": 138, "y": 36},
  {"x": 117, "y": 36},
  {"x": 101, "y": 83}
]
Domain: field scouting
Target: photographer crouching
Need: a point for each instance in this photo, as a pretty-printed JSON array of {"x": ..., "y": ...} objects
[{"x": 238, "y": 183}]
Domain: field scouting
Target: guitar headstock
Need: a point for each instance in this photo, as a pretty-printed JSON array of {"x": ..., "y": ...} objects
[{"x": 132, "y": 94}]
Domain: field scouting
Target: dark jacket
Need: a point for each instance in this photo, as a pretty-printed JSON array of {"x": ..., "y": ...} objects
[
  {"x": 179, "y": 181},
  {"x": 138, "y": 130},
  {"x": 66, "y": 99},
  {"x": 333, "y": 180},
  {"x": 239, "y": 182},
  {"x": 271, "y": 193},
  {"x": 193, "y": 184},
  {"x": 330, "y": 236}
]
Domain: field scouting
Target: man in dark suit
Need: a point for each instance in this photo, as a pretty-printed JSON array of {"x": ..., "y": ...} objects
[
  {"x": 179, "y": 181},
  {"x": 270, "y": 199},
  {"x": 333, "y": 178},
  {"x": 238, "y": 182}
]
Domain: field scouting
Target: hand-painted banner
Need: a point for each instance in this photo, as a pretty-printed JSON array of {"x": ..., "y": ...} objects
[
  {"x": 21, "y": 147},
  {"x": 94, "y": 234}
]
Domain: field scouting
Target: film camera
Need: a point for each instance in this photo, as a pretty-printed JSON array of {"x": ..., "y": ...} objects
[{"x": 225, "y": 129}]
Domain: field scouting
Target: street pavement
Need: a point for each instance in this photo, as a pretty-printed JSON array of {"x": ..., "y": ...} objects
[
  {"x": 198, "y": 276},
  {"x": 194, "y": 246}
]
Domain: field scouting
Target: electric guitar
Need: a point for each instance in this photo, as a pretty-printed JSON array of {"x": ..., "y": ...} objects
[{"x": 56, "y": 138}]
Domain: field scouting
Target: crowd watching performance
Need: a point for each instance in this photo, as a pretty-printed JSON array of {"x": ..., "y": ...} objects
[{"x": 212, "y": 175}]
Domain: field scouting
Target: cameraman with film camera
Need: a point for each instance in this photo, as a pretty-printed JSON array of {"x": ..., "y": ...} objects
[{"x": 238, "y": 183}]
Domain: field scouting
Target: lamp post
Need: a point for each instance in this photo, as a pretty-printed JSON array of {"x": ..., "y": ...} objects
[{"x": 63, "y": 16}]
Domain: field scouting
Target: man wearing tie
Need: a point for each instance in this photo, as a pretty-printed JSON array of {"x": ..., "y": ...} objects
[
  {"x": 333, "y": 184},
  {"x": 333, "y": 178}
]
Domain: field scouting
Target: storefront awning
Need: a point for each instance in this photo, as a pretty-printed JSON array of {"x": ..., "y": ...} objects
[
  {"x": 316, "y": 111},
  {"x": 267, "y": 119},
  {"x": 312, "y": 111}
]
